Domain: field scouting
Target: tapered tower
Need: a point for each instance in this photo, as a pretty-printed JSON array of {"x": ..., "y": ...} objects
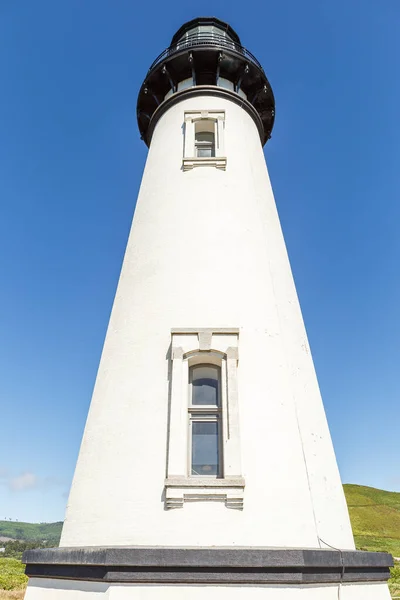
[{"x": 206, "y": 458}]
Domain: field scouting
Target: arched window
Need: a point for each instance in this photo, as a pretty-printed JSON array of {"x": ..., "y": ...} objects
[
  {"x": 204, "y": 138},
  {"x": 204, "y": 457},
  {"x": 205, "y": 421}
]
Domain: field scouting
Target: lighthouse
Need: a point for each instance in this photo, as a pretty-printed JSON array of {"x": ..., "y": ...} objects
[{"x": 206, "y": 465}]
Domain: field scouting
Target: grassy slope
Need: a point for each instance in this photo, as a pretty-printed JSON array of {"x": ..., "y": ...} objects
[
  {"x": 32, "y": 532},
  {"x": 375, "y": 518},
  {"x": 12, "y": 574},
  {"x": 394, "y": 581}
]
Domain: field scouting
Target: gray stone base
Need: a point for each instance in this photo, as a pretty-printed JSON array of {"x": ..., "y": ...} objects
[{"x": 239, "y": 565}]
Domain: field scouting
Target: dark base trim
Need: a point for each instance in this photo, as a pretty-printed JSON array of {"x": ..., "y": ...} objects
[{"x": 208, "y": 565}]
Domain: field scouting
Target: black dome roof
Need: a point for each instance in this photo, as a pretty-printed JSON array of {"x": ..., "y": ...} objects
[{"x": 205, "y": 21}]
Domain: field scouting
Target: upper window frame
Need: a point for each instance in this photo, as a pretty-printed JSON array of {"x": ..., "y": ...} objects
[{"x": 215, "y": 122}]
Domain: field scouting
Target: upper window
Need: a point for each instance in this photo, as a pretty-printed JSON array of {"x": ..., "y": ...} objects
[
  {"x": 204, "y": 139},
  {"x": 204, "y": 421},
  {"x": 205, "y": 144}
]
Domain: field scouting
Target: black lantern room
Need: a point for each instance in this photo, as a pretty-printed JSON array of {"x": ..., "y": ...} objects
[{"x": 205, "y": 57}]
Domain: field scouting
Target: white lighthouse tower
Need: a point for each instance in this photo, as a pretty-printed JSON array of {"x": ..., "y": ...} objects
[{"x": 206, "y": 466}]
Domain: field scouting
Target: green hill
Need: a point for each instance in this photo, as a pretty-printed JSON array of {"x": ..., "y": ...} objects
[
  {"x": 375, "y": 518},
  {"x": 31, "y": 532}
]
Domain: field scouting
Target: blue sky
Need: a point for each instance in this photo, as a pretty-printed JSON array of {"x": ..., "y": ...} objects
[{"x": 70, "y": 168}]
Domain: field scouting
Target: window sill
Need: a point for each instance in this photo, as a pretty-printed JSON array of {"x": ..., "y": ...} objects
[
  {"x": 191, "y": 489},
  {"x": 216, "y": 161}
]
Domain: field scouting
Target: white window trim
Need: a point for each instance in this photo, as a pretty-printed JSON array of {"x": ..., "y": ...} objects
[
  {"x": 190, "y": 160},
  {"x": 208, "y": 346}
]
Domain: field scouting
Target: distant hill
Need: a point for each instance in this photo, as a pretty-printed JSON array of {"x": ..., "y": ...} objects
[
  {"x": 375, "y": 518},
  {"x": 31, "y": 532}
]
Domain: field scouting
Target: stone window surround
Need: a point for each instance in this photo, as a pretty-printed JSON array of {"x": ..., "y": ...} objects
[
  {"x": 195, "y": 346},
  {"x": 190, "y": 161}
]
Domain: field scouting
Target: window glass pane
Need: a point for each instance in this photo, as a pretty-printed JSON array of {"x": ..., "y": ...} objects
[
  {"x": 205, "y": 136},
  {"x": 205, "y": 385},
  {"x": 205, "y": 455},
  {"x": 204, "y": 139},
  {"x": 205, "y": 151}
]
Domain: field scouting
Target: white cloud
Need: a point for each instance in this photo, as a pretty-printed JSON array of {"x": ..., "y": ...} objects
[{"x": 25, "y": 481}]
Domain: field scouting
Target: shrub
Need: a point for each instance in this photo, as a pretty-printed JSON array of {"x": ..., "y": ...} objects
[{"x": 12, "y": 576}]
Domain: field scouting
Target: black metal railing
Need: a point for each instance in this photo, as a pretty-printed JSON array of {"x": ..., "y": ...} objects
[{"x": 206, "y": 39}]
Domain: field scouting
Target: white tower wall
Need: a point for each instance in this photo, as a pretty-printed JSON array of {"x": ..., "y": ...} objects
[{"x": 206, "y": 251}]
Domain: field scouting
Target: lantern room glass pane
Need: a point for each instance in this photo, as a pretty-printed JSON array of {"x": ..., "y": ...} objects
[
  {"x": 205, "y": 452},
  {"x": 205, "y": 386}
]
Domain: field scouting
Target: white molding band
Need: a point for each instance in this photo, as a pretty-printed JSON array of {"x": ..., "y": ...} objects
[
  {"x": 232, "y": 452},
  {"x": 213, "y": 330},
  {"x": 228, "y": 490},
  {"x": 177, "y": 419},
  {"x": 190, "y": 163}
]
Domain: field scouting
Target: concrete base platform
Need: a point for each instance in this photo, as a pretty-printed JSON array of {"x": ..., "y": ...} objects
[
  {"x": 53, "y": 589},
  {"x": 150, "y": 573}
]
